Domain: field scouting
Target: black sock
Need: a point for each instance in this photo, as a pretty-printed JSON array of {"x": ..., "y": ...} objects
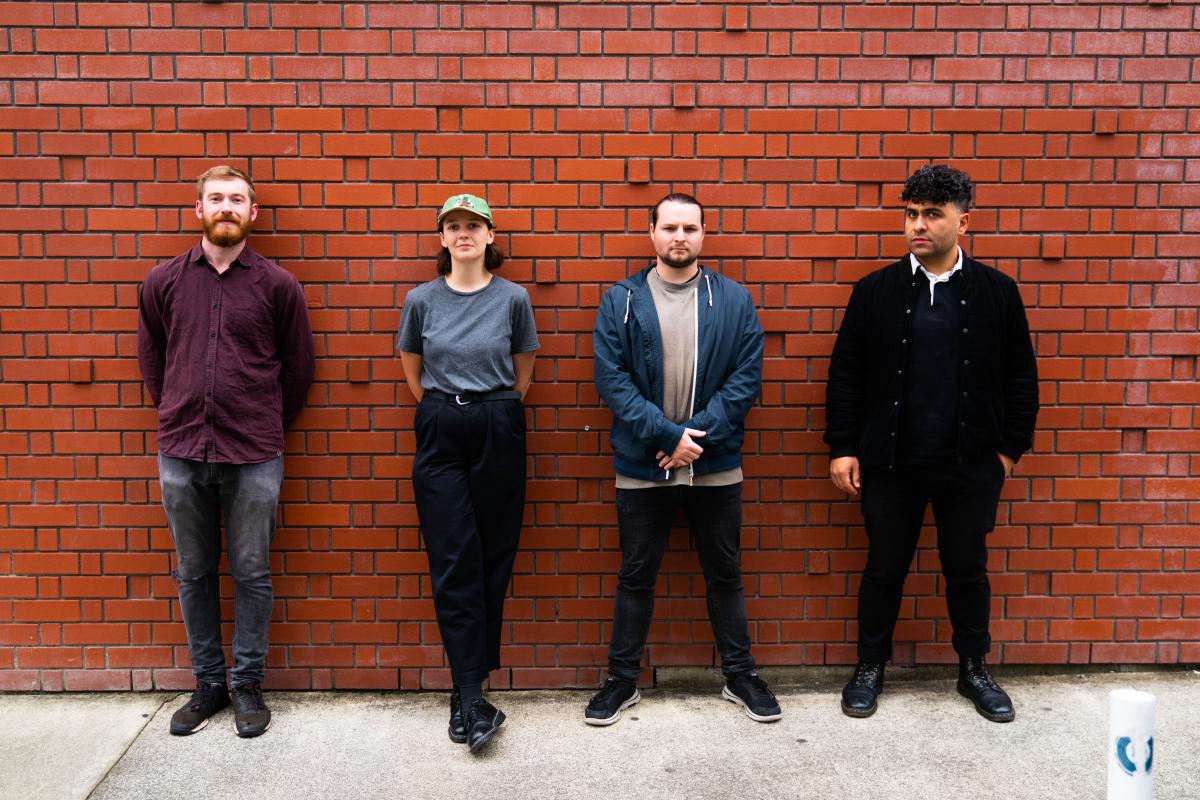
[{"x": 469, "y": 691}]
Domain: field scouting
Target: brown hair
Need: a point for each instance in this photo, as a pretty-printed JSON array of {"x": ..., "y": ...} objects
[
  {"x": 676, "y": 197},
  {"x": 222, "y": 172}
]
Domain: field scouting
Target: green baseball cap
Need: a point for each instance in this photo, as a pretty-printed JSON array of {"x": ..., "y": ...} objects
[{"x": 466, "y": 202}]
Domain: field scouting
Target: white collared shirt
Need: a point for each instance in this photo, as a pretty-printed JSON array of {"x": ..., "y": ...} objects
[{"x": 934, "y": 280}]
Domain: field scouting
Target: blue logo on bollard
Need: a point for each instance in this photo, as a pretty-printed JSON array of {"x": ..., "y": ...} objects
[{"x": 1128, "y": 758}]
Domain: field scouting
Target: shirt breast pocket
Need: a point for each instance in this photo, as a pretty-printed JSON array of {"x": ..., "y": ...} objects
[{"x": 250, "y": 325}]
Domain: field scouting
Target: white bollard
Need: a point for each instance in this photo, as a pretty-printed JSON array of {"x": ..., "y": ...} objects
[{"x": 1130, "y": 745}]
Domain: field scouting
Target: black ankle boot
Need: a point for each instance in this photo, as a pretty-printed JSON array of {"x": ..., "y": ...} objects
[
  {"x": 859, "y": 696},
  {"x": 483, "y": 720},
  {"x": 458, "y": 721},
  {"x": 978, "y": 686}
]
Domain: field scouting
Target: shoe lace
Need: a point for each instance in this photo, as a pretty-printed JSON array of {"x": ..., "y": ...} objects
[
  {"x": 611, "y": 687},
  {"x": 251, "y": 697},
  {"x": 977, "y": 673},
  {"x": 756, "y": 684},
  {"x": 202, "y": 696},
  {"x": 866, "y": 674}
]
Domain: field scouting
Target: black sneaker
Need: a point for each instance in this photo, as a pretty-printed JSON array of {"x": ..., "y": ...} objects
[
  {"x": 752, "y": 693},
  {"x": 208, "y": 699},
  {"x": 251, "y": 717},
  {"x": 607, "y": 704}
]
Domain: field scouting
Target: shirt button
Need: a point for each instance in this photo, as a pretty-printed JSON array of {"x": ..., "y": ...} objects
[
  {"x": 896, "y": 403},
  {"x": 904, "y": 341},
  {"x": 962, "y": 302},
  {"x": 966, "y": 362},
  {"x": 964, "y": 394},
  {"x": 965, "y": 330},
  {"x": 899, "y": 372},
  {"x": 908, "y": 311},
  {"x": 212, "y": 335}
]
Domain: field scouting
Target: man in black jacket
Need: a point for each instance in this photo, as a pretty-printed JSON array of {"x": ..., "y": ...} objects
[{"x": 932, "y": 398}]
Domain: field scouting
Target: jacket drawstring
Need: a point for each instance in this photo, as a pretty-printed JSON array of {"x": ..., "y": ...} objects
[
  {"x": 628, "y": 300},
  {"x": 709, "y": 284}
]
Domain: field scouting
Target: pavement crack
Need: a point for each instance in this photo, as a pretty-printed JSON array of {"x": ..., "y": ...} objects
[{"x": 132, "y": 740}]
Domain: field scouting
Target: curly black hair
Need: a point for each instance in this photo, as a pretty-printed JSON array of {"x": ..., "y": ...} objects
[{"x": 938, "y": 184}]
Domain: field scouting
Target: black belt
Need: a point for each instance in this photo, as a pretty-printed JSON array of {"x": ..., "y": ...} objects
[{"x": 466, "y": 398}]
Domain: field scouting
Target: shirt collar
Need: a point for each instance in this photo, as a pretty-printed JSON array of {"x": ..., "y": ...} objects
[
  {"x": 945, "y": 276},
  {"x": 934, "y": 280},
  {"x": 244, "y": 258}
]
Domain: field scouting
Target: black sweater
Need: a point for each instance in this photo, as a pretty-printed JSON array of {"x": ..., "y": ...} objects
[{"x": 996, "y": 374}]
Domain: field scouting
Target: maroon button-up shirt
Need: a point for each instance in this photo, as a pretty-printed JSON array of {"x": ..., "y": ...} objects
[{"x": 227, "y": 358}]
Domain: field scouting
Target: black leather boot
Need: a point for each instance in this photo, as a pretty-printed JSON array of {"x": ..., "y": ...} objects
[
  {"x": 458, "y": 722},
  {"x": 483, "y": 720},
  {"x": 977, "y": 685},
  {"x": 859, "y": 696}
]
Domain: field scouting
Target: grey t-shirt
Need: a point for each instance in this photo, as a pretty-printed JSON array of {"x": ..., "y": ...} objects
[{"x": 467, "y": 339}]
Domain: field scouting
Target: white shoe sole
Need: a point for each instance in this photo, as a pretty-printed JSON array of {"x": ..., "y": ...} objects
[
  {"x": 601, "y": 723},
  {"x": 197, "y": 729},
  {"x": 733, "y": 698}
]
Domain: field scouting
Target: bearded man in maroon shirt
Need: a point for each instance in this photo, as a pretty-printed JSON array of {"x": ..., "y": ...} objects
[{"x": 225, "y": 348}]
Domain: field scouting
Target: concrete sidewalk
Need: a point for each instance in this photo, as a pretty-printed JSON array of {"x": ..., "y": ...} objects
[{"x": 925, "y": 743}]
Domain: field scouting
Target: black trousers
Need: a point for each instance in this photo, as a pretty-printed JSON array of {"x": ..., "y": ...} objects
[
  {"x": 714, "y": 515},
  {"x": 469, "y": 482},
  {"x": 964, "y": 499}
]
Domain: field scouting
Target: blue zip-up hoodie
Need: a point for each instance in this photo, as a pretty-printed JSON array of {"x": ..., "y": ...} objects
[{"x": 628, "y": 370}]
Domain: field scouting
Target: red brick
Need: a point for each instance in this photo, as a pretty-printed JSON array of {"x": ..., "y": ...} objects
[
  {"x": 795, "y": 124},
  {"x": 63, "y": 40}
]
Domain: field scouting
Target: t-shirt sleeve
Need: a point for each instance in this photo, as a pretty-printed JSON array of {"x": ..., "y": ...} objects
[
  {"x": 524, "y": 332},
  {"x": 409, "y": 339}
]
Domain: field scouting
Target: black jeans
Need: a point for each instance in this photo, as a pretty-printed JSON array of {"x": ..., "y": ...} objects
[
  {"x": 714, "y": 515},
  {"x": 964, "y": 499},
  {"x": 197, "y": 495},
  {"x": 469, "y": 482}
]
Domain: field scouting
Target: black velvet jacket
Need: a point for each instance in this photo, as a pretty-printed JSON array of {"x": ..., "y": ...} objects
[{"x": 996, "y": 374}]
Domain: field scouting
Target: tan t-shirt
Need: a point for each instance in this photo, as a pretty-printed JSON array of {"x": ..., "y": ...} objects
[{"x": 676, "y": 307}]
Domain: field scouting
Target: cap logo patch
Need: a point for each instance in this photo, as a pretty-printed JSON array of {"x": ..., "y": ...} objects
[{"x": 465, "y": 202}]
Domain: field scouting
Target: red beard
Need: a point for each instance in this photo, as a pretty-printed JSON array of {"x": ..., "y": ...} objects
[{"x": 226, "y": 235}]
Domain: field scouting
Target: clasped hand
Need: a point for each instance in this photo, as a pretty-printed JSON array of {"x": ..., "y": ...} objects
[{"x": 685, "y": 453}]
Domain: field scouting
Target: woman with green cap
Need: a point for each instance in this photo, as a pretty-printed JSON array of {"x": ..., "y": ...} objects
[{"x": 467, "y": 343}]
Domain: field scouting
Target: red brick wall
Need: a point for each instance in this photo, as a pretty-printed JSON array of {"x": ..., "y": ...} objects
[{"x": 795, "y": 123}]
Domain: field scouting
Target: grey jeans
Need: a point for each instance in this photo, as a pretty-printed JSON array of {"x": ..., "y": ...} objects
[{"x": 197, "y": 496}]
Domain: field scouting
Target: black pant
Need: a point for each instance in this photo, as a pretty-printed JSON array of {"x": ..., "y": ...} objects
[
  {"x": 469, "y": 481},
  {"x": 714, "y": 514},
  {"x": 964, "y": 498}
]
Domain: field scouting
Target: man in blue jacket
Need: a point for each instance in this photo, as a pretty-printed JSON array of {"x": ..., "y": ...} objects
[
  {"x": 932, "y": 398},
  {"x": 678, "y": 359}
]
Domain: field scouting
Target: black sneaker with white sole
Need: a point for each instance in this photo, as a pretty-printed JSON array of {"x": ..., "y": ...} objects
[
  {"x": 751, "y": 692},
  {"x": 251, "y": 717},
  {"x": 208, "y": 699},
  {"x": 607, "y": 704}
]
